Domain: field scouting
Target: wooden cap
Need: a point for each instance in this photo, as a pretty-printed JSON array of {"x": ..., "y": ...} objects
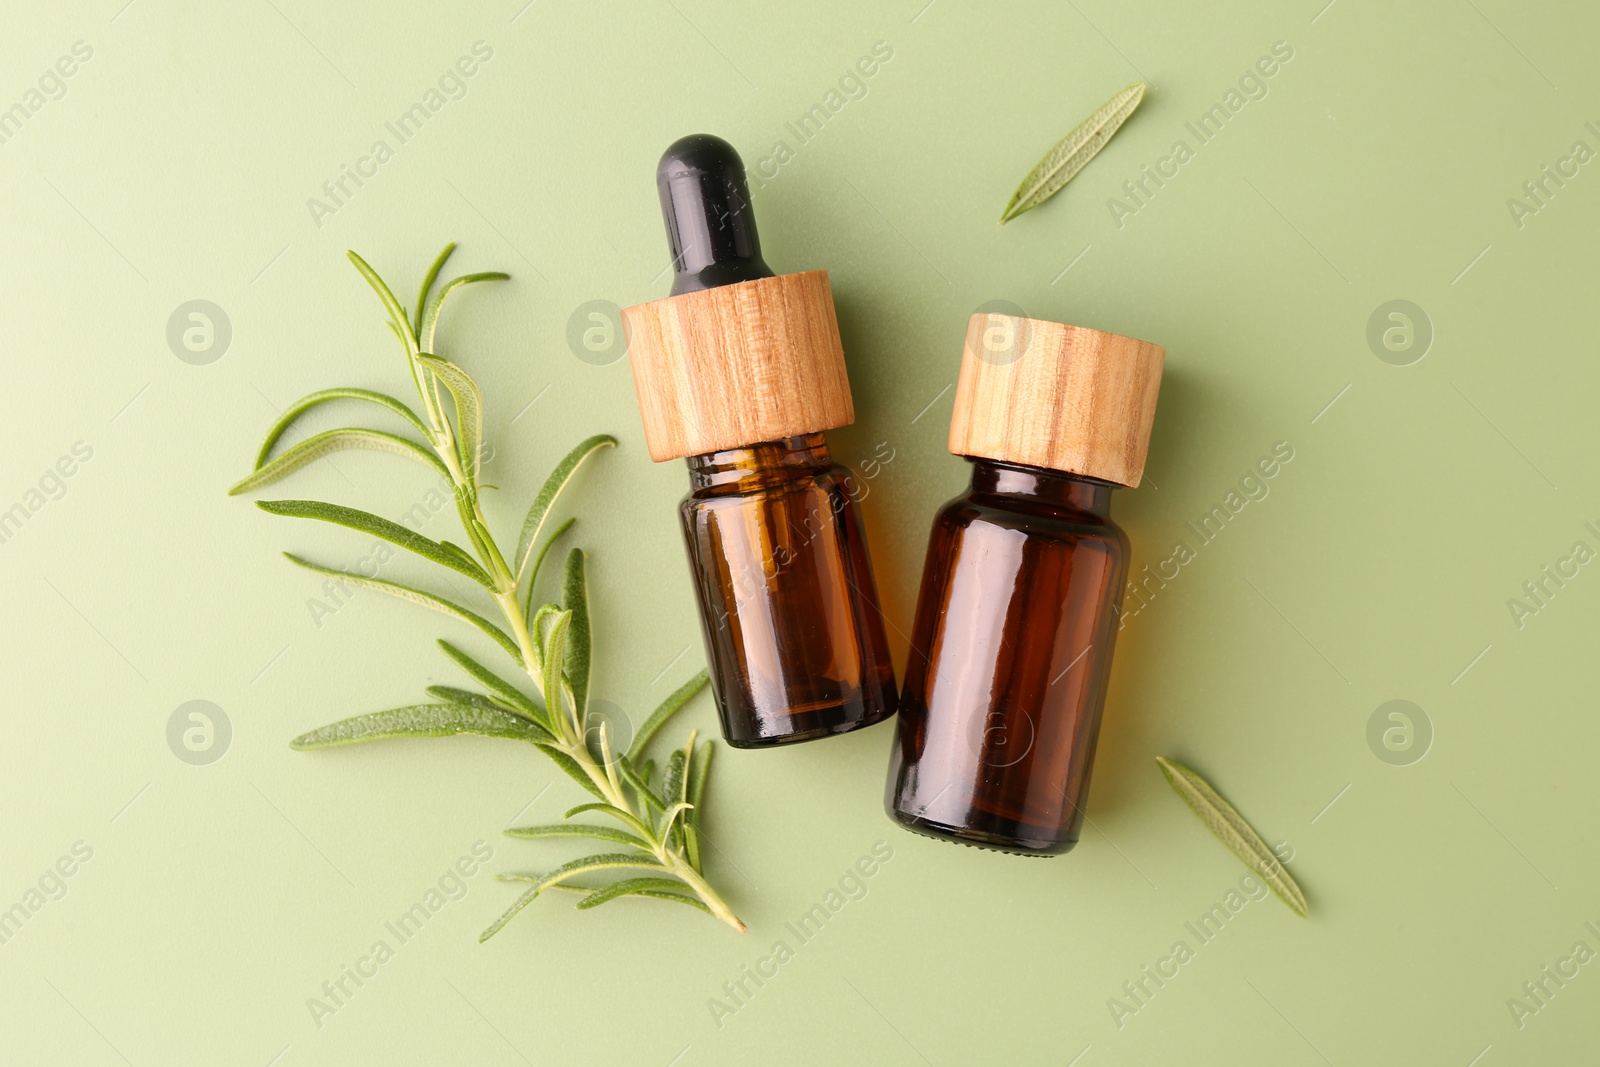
[
  {"x": 1056, "y": 396},
  {"x": 738, "y": 364}
]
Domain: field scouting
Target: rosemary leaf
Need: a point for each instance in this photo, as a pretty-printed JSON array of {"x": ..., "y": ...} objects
[
  {"x": 329, "y": 442},
  {"x": 554, "y": 657},
  {"x": 469, "y": 409},
  {"x": 420, "y": 720},
  {"x": 324, "y": 396},
  {"x": 492, "y": 681},
  {"x": 672, "y": 788},
  {"x": 452, "y": 695},
  {"x": 355, "y": 519},
  {"x": 699, "y": 770},
  {"x": 1072, "y": 153},
  {"x": 429, "y": 323},
  {"x": 667, "y": 708},
  {"x": 572, "y": 769},
  {"x": 540, "y": 508},
  {"x": 575, "y": 598},
  {"x": 625, "y": 817},
  {"x": 427, "y": 287},
  {"x": 459, "y": 554},
  {"x": 561, "y": 874},
  {"x": 647, "y": 795},
  {"x": 415, "y": 596},
  {"x": 538, "y": 562},
  {"x": 1222, "y": 819},
  {"x": 671, "y": 816},
  {"x": 397, "y": 314},
  {"x": 580, "y": 829},
  {"x": 659, "y": 888}
]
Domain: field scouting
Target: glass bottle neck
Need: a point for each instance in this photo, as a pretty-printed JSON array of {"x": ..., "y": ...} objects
[
  {"x": 993, "y": 477},
  {"x": 762, "y": 463}
]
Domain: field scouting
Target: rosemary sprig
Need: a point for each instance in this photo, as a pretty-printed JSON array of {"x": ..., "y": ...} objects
[{"x": 658, "y": 823}]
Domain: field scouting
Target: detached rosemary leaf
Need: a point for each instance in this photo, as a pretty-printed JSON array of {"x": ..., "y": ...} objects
[
  {"x": 420, "y": 720},
  {"x": 1231, "y": 829},
  {"x": 664, "y": 711},
  {"x": 378, "y": 526},
  {"x": 306, "y": 403},
  {"x": 331, "y": 441},
  {"x": 540, "y": 508},
  {"x": 1072, "y": 153},
  {"x": 415, "y": 596}
]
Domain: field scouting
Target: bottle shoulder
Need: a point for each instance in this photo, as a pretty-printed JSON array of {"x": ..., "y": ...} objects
[
  {"x": 770, "y": 482},
  {"x": 1034, "y": 518}
]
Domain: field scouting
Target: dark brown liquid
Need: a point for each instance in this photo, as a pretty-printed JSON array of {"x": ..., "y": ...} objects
[
  {"x": 1009, "y": 656},
  {"x": 787, "y": 602}
]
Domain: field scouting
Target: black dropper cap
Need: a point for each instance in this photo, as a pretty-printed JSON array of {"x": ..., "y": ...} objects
[{"x": 711, "y": 227}]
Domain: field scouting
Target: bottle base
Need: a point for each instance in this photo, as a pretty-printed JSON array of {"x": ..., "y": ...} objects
[
  {"x": 810, "y": 731},
  {"x": 1017, "y": 842}
]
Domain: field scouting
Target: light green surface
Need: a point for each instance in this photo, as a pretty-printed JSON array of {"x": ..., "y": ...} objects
[{"x": 219, "y": 898}]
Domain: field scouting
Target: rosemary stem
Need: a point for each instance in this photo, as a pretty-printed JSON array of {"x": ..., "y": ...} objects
[
  {"x": 674, "y": 862},
  {"x": 570, "y": 735}
]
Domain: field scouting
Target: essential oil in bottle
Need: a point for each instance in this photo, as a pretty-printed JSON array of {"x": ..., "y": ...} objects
[
  {"x": 740, "y": 371},
  {"x": 1017, "y": 613}
]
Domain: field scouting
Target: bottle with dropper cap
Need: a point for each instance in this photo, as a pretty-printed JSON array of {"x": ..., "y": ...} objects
[{"x": 739, "y": 372}]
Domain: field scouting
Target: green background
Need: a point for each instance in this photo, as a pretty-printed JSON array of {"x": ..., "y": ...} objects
[{"x": 219, "y": 898}]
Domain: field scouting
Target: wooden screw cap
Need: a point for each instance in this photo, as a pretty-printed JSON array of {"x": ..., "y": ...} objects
[
  {"x": 1057, "y": 396},
  {"x": 738, "y": 364}
]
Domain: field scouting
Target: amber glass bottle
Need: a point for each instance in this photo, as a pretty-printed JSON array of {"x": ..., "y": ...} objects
[
  {"x": 1017, "y": 615},
  {"x": 739, "y": 372},
  {"x": 787, "y": 600}
]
